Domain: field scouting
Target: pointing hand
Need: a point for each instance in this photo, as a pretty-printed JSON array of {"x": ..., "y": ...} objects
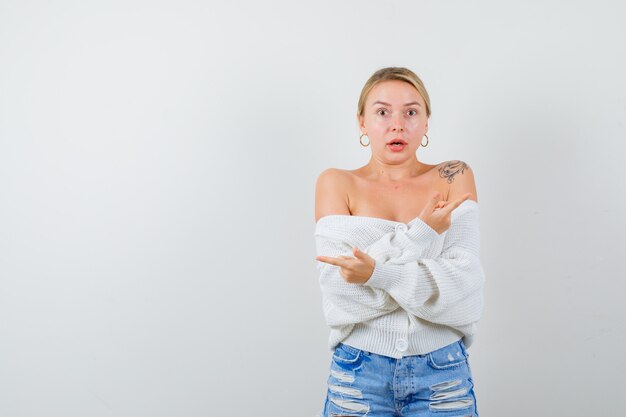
[
  {"x": 355, "y": 270},
  {"x": 437, "y": 213}
]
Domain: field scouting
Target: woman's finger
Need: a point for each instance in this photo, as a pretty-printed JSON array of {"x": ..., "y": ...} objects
[
  {"x": 454, "y": 204},
  {"x": 331, "y": 260},
  {"x": 362, "y": 255},
  {"x": 432, "y": 203}
]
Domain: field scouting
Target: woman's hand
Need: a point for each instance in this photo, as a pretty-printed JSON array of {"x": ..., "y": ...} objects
[
  {"x": 354, "y": 270},
  {"x": 437, "y": 212}
]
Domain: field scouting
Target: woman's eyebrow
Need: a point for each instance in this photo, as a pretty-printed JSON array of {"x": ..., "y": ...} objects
[{"x": 387, "y": 104}]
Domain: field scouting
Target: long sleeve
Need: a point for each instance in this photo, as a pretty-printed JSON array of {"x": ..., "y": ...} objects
[
  {"x": 446, "y": 289},
  {"x": 346, "y": 303}
]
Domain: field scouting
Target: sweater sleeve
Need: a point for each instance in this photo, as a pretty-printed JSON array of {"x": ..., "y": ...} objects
[
  {"x": 346, "y": 303},
  {"x": 446, "y": 289}
]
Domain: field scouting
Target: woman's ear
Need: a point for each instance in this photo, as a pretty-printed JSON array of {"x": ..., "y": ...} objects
[{"x": 361, "y": 122}]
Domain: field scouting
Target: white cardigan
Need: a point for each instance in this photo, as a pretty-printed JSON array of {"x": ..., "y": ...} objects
[{"x": 426, "y": 290}]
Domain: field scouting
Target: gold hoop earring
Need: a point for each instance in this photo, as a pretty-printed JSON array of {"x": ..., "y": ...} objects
[
  {"x": 426, "y": 142},
  {"x": 361, "y": 137}
]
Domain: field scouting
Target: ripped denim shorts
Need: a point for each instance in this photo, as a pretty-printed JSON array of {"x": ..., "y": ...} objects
[{"x": 363, "y": 383}]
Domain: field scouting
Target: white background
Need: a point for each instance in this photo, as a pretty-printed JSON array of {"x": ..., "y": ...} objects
[{"x": 157, "y": 172}]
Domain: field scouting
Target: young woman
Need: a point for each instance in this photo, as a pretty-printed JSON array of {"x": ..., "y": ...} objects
[{"x": 398, "y": 249}]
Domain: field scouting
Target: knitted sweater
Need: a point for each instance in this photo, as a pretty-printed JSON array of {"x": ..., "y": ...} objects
[{"x": 426, "y": 290}]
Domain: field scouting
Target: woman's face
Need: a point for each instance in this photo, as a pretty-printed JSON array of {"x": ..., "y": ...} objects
[{"x": 393, "y": 110}]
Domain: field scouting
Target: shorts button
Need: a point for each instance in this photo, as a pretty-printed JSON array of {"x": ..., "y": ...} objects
[
  {"x": 401, "y": 345},
  {"x": 401, "y": 227}
]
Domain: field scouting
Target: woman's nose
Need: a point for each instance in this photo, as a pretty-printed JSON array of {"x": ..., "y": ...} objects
[{"x": 398, "y": 124}]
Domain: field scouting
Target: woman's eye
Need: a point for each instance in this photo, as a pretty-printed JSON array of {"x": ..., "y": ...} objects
[
  {"x": 382, "y": 110},
  {"x": 414, "y": 112}
]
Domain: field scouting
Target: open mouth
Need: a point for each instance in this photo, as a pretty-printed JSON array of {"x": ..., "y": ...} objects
[{"x": 397, "y": 145}]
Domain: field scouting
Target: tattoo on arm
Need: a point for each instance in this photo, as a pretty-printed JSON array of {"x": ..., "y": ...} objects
[{"x": 451, "y": 168}]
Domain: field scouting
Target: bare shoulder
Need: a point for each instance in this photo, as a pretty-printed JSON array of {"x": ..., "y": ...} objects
[
  {"x": 331, "y": 192},
  {"x": 460, "y": 177}
]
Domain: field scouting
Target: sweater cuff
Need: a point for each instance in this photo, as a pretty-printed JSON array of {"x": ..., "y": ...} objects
[
  {"x": 421, "y": 233},
  {"x": 384, "y": 275}
]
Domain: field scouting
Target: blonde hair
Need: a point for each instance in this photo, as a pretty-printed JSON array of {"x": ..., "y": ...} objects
[{"x": 393, "y": 73}]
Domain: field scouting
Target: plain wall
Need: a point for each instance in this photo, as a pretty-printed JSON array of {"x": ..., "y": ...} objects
[{"x": 157, "y": 171}]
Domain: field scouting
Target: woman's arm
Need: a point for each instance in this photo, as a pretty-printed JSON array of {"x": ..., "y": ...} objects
[
  {"x": 346, "y": 303},
  {"x": 343, "y": 303},
  {"x": 447, "y": 289}
]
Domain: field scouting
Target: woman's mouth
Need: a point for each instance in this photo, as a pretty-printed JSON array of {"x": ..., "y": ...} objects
[{"x": 397, "y": 146}]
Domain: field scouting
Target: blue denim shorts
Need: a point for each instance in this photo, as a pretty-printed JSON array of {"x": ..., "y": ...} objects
[{"x": 438, "y": 383}]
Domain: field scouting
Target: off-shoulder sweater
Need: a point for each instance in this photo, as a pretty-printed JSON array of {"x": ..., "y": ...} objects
[{"x": 426, "y": 290}]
